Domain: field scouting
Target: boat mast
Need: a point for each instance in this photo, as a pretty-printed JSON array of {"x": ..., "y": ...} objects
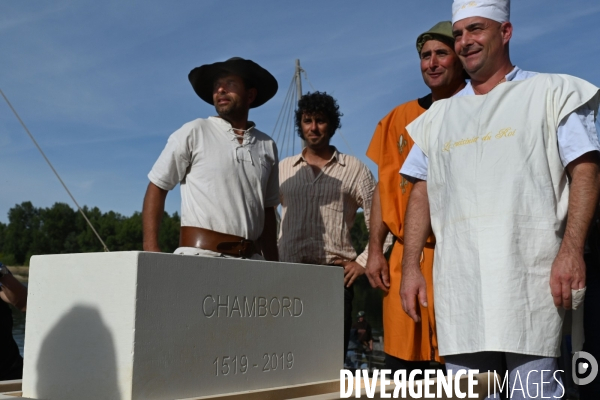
[{"x": 298, "y": 79}]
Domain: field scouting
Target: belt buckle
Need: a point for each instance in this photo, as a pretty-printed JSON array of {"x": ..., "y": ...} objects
[{"x": 245, "y": 246}]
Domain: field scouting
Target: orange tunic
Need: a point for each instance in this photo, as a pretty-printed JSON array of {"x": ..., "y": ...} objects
[{"x": 389, "y": 148}]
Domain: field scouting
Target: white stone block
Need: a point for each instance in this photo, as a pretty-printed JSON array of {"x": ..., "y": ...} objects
[{"x": 135, "y": 325}]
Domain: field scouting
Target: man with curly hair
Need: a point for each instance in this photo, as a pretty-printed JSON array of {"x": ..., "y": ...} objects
[{"x": 320, "y": 190}]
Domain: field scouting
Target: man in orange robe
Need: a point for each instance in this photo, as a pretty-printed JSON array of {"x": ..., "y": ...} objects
[{"x": 407, "y": 345}]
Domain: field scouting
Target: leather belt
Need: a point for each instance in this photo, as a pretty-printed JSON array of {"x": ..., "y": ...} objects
[{"x": 231, "y": 245}]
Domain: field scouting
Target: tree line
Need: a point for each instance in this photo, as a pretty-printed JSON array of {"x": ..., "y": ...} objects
[{"x": 60, "y": 229}]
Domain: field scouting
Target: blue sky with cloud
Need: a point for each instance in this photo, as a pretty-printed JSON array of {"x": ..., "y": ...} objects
[{"x": 102, "y": 84}]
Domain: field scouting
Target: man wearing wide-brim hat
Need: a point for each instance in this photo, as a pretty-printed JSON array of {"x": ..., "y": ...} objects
[
  {"x": 502, "y": 165},
  {"x": 228, "y": 169}
]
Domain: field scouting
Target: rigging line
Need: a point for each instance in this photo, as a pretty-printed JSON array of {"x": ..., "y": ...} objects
[
  {"x": 277, "y": 122},
  {"x": 284, "y": 125},
  {"x": 293, "y": 140},
  {"x": 292, "y": 119},
  {"x": 308, "y": 80},
  {"x": 278, "y": 118},
  {"x": 293, "y": 127},
  {"x": 53, "y": 170},
  {"x": 285, "y": 101},
  {"x": 282, "y": 128},
  {"x": 346, "y": 142},
  {"x": 281, "y": 111},
  {"x": 288, "y": 122}
]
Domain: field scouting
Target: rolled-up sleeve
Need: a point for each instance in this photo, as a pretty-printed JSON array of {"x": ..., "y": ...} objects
[
  {"x": 415, "y": 166},
  {"x": 577, "y": 134},
  {"x": 171, "y": 166}
]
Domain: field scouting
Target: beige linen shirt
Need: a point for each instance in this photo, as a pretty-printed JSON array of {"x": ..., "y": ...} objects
[
  {"x": 225, "y": 185},
  {"x": 318, "y": 212}
]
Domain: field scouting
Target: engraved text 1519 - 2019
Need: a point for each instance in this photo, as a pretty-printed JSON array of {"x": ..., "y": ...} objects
[{"x": 233, "y": 365}]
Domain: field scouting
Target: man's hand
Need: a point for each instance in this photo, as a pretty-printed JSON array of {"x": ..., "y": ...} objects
[
  {"x": 413, "y": 288},
  {"x": 417, "y": 226},
  {"x": 352, "y": 270},
  {"x": 568, "y": 272},
  {"x": 378, "y": 270},
  {"x": 568, "y": 268}
]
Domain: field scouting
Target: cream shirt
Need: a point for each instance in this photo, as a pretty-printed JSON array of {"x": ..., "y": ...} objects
[
  {"x": 318, "y": 212},
  {"x": 577, "y": 133},
  {"x": 498, "y": 195},
  {"x": 225, "y": 186}
]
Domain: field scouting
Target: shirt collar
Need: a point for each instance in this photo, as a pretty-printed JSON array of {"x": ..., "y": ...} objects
[
  {"x": 248, "y": 136},
  {"x": 512, "y": 74},
  {"x": 468, "y": 89},
  {"x": 338, "y": 157}
]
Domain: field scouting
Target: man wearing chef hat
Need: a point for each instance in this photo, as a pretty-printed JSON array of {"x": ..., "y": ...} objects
[{"x": 497, "y": 169}]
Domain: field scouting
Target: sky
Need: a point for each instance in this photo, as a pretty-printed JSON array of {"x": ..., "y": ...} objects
[{"x": 101, "y": 85}]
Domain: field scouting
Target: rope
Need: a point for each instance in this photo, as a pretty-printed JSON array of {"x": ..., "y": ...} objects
[
  {"x": 281, "y": 111},
  {"x": 347, "y": 144},
  {"x": 288, "y": 113},
  {"x": 307, "y": 80},
  {"x": 293, "y": 139},
  {"x": 292, "y": 125},
  {"x": 53, "y": 170},
  {"x": 289, "y": 123}
]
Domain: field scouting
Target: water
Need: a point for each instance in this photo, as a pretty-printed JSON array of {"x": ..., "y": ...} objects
[
  {"x": 19, "y": 324},
  {"x": 18, "y": 327}
]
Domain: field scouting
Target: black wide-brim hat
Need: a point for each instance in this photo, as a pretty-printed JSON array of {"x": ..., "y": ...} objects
[{"x": 202, "y": 79}]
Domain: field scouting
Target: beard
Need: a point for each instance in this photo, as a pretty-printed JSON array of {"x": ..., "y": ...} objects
[{"x": 230, "y": 111}]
